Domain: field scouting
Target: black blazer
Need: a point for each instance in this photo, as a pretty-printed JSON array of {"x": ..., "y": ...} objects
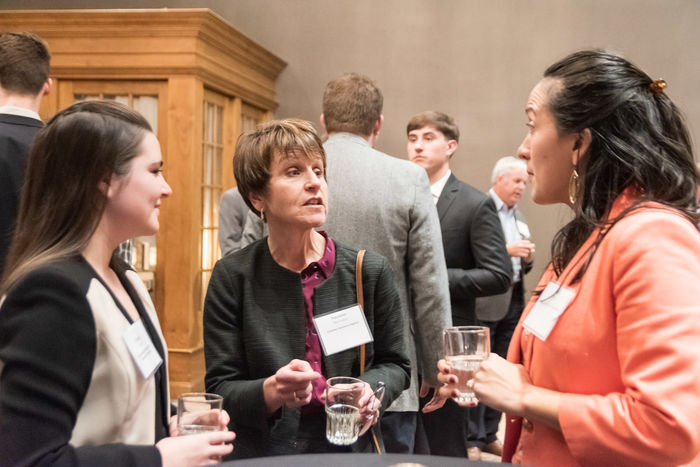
[
  {"x": 70, "y": 393},
  {"x": 16, "y": 136},
  {"x": 254, "y": 324},
  {"x": 477, "y": 261}
]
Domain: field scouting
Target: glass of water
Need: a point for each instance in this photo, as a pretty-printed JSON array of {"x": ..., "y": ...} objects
[
  {"x": 198, "y": 412},
  {"x": 465, "y": 348},
  {"x": 343, "y": 409}
]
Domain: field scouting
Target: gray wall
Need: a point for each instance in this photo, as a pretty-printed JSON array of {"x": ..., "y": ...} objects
[{"x": 476, "y": 60}]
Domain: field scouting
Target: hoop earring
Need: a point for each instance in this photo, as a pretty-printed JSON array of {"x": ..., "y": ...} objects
[{"x": 573, "y": 186}]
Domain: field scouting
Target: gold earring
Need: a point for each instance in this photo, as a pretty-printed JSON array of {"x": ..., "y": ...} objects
[{"x": 573, "y": 186}]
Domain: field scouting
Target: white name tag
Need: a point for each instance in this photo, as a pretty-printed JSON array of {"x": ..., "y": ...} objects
[
  {"x": 547, "y": 310},
  {"x": 142, "y": 349},
  {"x": 343, "y": 329}
]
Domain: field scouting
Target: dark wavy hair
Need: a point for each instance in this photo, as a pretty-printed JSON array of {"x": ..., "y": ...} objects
[{"x": 638, "y": 139}]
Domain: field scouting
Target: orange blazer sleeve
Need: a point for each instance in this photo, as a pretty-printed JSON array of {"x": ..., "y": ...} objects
[{"x": 647, "y": 275}]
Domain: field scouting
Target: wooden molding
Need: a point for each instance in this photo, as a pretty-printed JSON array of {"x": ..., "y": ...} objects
[{"x": 153, "y": 44}]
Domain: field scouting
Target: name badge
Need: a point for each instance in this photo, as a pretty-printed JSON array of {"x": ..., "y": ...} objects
[
  {"x": 142, "y": 349},
  {"x": 547, "y": 310},
  {"x": 343, "y": 329}
]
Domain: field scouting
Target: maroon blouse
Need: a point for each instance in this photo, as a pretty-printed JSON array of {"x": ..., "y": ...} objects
[{"x": 313, "y": 276}]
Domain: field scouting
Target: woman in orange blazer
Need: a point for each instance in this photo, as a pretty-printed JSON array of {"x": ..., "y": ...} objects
[{"x": 603, "y": 368}]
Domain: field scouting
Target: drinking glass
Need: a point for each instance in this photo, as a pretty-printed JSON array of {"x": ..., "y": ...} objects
[
  {"x": 198, "y": 412},
  {"x": 465, "y": 348},
  {"x": 343, "y": 409}
]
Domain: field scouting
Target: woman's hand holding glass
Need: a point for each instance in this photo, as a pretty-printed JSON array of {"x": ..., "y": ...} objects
[
  {"x": 352, "y": 408},
  {"x": 502, "y": 385},
  {"x": 291, "y": 386},
  {"x": 370, "y": 405},
  {"x": 196, "y": 449},
  {"x": 497, "y": 383},
  {"x": 201, "y": 449}
]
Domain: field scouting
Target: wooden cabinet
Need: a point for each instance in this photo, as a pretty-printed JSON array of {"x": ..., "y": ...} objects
[{"x": 200, "y": 83}]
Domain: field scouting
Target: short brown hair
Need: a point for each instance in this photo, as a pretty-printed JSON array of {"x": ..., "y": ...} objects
[
  {"x": 352, "y": 104},
  {"x": 438, "y": 120},
  {"x": 24, "y": 63},
  {"x": 256, "y": 150}
]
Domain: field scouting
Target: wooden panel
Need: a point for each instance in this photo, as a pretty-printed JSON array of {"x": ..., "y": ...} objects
[
  {"x": 49, "y": 104},
  {"x": 186, "y": 371},
  {"x": 182, "y": 212},
  {"x": 180, "y": 231}
]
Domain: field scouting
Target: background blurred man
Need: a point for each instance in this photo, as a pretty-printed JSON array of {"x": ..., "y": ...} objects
[
  {"x": 24, "y": 80},
  {"x": 501, "y": 313}
]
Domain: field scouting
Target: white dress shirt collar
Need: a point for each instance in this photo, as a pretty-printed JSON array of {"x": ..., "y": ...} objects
[
  {"x": 437, "y": 187},
  {"x": 19, "y": 111},
  {"x": 500, "y": 205}
]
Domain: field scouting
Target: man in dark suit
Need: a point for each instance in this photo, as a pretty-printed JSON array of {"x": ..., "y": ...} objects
[
  {"x": 24, "y": 80},
  {"x": 477, "y": 261}
]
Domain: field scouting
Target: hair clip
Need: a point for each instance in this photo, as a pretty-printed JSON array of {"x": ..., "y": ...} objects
[{"x": 657, "y": 86}]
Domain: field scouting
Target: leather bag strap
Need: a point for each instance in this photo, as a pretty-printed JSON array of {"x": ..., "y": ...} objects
[{"x": 360, "y": 301}]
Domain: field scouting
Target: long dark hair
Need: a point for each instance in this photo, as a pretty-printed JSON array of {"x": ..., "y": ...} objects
[
  {"x": 638, "y": 139},
  {"x": 61, "y": 203}
]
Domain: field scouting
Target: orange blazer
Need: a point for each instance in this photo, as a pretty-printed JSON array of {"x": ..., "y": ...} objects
[{"x": 625, "y": 353}]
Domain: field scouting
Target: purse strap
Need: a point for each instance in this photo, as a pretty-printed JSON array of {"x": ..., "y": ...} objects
[{"x": 361, "y": 302}]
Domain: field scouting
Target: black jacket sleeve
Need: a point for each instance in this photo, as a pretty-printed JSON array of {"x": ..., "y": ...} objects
[
  {"x": 226, "y": 363},
  {"x": 492, "y": 270}
]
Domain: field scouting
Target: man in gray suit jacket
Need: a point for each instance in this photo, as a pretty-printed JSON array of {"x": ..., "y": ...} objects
[
  {"x": 234, "y": 219},
  {"x": 477, "y": 261},
  {"x": 383, "y": 204}
]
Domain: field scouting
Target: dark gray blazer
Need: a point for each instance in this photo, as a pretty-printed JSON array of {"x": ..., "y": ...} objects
[
  {"x": 477, "y": 260},
  {"x": 254, "y": 324},
  {"x": 495, "y": 307}
]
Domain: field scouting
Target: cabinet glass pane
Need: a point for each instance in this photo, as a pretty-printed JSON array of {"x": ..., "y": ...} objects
[
  {"x": 122, "y": 99},
  {"x": 86, "y": 97},
  {"x": 219, "y": 133},
  {"x": 212, "y": 149},
  {"x": 148, "y": 107},
  {"x": 207, "y": 207}
]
